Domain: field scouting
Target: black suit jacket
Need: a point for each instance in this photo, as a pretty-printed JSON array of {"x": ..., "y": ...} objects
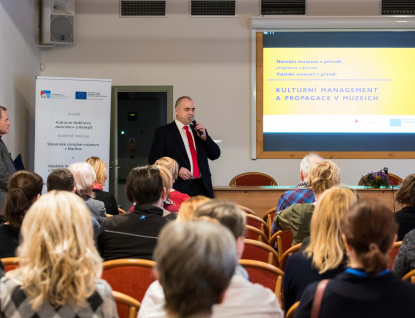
[{"x": 168, "y": 142}]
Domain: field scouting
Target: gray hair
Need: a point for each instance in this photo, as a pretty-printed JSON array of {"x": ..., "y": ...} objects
[
  {"x": 227, "y": 213},
  {"x": 179, "y": 100},
  {"x": 308, "y": 161},
  {"x": 2, "y": 108},
  {"x": 195, "y": 262},
  {"x": 84, "y": 176}
]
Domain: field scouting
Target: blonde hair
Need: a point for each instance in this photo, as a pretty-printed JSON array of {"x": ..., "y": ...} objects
[
  {"x": 170, "y": 164},
  {"x": 166, "y": 177},
  {"x": 326, "y": 245},
  {"x": 84, "y": 176},
  {"x": 323, "y": 175},
  {"x": 189, "y": 206},
  {"x": 57, "y": 256},
  {"x": 100, "y": 169}
]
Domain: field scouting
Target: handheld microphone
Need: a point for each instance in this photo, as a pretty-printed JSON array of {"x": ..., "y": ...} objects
[{"x": 194, "y": 124}]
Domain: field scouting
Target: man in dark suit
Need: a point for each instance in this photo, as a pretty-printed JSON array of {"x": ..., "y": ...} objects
[
  {"x": 177, "y": 140},
  {"x": 7, "y": 166}
]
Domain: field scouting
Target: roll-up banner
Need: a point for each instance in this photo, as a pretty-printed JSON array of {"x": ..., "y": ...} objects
[{"x": 72, "y": 122}]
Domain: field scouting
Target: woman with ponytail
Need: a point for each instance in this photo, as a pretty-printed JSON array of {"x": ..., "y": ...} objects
[
  {"x": 24, "y": 188},
  {"x": 367, "y": 288}
]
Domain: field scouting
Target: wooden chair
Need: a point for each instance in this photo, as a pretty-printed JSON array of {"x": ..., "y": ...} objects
[
  {"x": 393, "y": 252},
  {"x": 259, "y": 223},
  {"x": 283, "y": 239},
  {"x": 264, "y": 274},
  {"x": 252, "y": 179},
  {"x": 258, "y": 251},
  {"x": 246, "y": 210},
  {"x": 127, "y": 307},
  {"x": 293, "y": 310},
  {"x": 10, "y": 263},
  {"x": 129, "y": 276},
  {"x": 287, "y": 254},
  {"x": 410, "y": 276},
  {"x": 393, "y": 180},
  {"x": 269, "y": 218},
  {"x": 252, "y": 233}
]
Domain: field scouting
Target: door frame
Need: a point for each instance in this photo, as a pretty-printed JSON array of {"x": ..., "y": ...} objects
[{"x": 113, "y": 166}]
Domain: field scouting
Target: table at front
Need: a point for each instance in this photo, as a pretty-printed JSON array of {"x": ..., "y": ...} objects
[{"x": 261, "y": 199}]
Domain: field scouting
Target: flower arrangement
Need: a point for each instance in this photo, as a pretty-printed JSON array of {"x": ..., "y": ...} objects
[{"x": 376, "y": 179}]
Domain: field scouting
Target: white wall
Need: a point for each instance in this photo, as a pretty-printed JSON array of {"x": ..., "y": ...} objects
[
  {"x": 19, "y": 66},
  {"x": 206, "y": 58}
]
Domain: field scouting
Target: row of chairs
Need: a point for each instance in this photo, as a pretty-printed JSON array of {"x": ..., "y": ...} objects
[
  {"x": 262, "y": 179},
  {"x": 130, "y": 279}
]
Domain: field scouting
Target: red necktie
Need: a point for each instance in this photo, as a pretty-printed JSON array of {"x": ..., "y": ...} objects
[{"x": 192, "y": 152}]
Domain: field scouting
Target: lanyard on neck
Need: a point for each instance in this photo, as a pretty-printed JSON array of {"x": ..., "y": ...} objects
[{"x": 364, "y": 274}]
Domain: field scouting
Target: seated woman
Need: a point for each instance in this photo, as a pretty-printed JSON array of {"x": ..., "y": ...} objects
[
  {"x": 405, "y": 259},
  {"x": 84, "y": 176},
  {"x": 325, "y": 256},
  {"x": 367, "y": 288},
  {"x": 24, "y": 188},
  {"x": 406, "y": 197},
  {"x": 100, "y": 168},
  {"x": 175, "y": 196},
  {"x": 59, "y": 264},
  {"x": 322, "y": 176},
  {"x": 167, "y": 184},
  {"x": 188, "y": 207}
]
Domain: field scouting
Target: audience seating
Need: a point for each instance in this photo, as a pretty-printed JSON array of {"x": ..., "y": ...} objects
[
  {"x": 246, "y": 210},
  {"x": 253, "y": 179},
  {"x": 287, "y": 254},
  {"x": 259, "y": 223},
  {"x": 127, "y": 306},
  {"x": 264, "y": 274},
  {"x": 393, "y": 252},
  {"x": 129, "y": 276},
  {"x": 10, "y": 263},
  {"x": 393, "y": 180},
  {"x": 269, "y": 218},
  {"x": 252, "y": 233},
  {"x": 410, "y": 276},
  {"x": 283, "y": 239},
  {"x": 258, "y": 251},
  {"x": 293, "y": 310}
]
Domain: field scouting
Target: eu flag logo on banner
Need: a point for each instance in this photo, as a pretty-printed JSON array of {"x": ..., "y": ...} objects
[
  {"x": 395, "y": 122},
  {"x": 80, "y": 95}
]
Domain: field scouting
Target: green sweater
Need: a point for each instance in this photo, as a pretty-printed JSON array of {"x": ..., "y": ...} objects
[{"x": 297, "y": 219}]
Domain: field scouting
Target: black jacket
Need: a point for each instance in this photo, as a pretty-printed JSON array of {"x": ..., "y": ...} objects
[
  {"x": 131, "y": 235},
  {"x": 168, "y": 142}
]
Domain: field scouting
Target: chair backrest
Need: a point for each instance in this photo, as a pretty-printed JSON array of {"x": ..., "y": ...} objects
[
  {"x": 287, "y": 254},
  {"x": 293, "y": 310},
  {"x": 258, "y": 251},
  {"x": 264, "y": 274},
  {"x": 253, "y": 179},
  {"x": 252, "y": 233},
  {"x": 393, "y": 252},
  {"x": 410, "y": 276},
  {"x": 269, "y": 218},
  {"x": 10, "y": 263},
  {"x": 259, "y": 223},
  {"x": 127, "y": 307},
  {"x": 283, "y": 240},
  {"x": 129, "y": 276},
  {"x": 393, "y": 180},
  {"x": 246, "y": 210}
]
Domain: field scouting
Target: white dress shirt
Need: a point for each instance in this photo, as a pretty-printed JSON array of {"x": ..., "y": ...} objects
[{"x": 186, "y": 142}]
